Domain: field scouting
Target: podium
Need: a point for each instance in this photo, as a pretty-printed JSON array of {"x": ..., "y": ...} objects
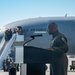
[
  {"x": 36, "y": 58},
  {"x": 37, "y": 55}
]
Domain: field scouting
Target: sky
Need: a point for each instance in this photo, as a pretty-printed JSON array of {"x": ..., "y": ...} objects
[{"x": 14, "y": 10}]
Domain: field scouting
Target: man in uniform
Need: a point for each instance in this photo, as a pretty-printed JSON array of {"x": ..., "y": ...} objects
[{"x": 60, "y": 48}]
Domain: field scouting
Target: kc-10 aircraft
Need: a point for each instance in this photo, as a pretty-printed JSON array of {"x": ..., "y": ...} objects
[
  {"x": 37, "y": 28},
  {"x": 35, "y": 33}
]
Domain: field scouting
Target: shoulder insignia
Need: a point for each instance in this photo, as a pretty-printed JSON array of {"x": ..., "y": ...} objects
[{"x": 63, "y": 39}]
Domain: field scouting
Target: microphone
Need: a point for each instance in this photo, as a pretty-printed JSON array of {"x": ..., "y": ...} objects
[{"x": 39, "y": 35}]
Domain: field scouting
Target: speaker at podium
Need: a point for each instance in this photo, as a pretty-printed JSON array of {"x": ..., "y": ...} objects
[{"x": 36, "y": 58}]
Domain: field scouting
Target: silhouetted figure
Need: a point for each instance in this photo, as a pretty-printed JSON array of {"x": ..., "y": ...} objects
[
  {"x": 8, "y": 34},
  {"x": 60, "y": 48}
]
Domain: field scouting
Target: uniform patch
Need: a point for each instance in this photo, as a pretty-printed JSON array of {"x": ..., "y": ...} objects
[{"x": 63, "y": 40}]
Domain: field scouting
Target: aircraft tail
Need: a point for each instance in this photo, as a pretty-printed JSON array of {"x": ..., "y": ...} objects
[{"x": 5, "y": 48}]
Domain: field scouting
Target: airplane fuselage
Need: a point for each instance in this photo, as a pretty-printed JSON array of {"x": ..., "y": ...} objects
[{"x": 37, "y": 26}]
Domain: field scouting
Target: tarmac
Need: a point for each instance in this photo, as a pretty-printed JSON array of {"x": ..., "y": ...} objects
[
  {"x": 70, "y": 72},
  {"x": 47, "y": 73}
]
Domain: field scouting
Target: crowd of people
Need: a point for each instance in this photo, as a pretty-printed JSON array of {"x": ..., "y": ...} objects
[
  {"x": 9, "y": 33},
  {"x": 9, "y": 63}
]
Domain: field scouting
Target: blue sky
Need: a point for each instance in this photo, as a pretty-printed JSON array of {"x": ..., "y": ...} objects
[{"x": 13, "y": 10}]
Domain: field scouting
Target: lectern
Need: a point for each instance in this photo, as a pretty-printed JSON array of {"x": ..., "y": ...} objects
[{"x": 36, "y": 58}]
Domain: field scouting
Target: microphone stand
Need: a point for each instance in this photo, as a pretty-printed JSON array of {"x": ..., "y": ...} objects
[
  {"x": 28, "y": 41},
  {"x": 33, "y": 37}
]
